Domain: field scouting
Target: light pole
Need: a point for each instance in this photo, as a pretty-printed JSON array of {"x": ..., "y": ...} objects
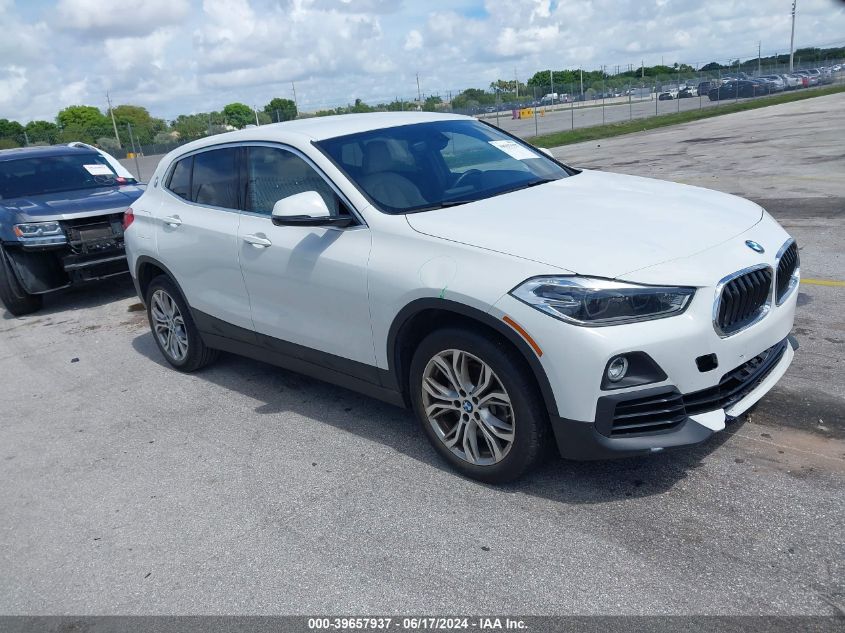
[
  {"x": 111, "y": 112},
  {"x": 792, "y": 38}
]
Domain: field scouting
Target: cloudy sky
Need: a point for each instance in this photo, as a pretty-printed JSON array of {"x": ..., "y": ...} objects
[{"x": 180, "y": 56}]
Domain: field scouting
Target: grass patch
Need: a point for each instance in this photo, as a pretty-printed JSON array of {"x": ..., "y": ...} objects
[{"x": 641, "y": 125}]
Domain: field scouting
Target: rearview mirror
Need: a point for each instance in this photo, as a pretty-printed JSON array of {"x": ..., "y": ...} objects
[{"x": 306, "y": 209}]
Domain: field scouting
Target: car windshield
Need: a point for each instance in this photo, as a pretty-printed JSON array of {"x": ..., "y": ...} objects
[
  {"x": 50, "y": 174},
  {"x": 425, "y": 166}
]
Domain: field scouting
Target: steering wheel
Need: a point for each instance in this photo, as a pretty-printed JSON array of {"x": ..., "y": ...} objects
[{"x": 470, "y": 173}]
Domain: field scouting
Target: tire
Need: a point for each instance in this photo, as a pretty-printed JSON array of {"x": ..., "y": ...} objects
[
  {"x": 17, "y": 300},
  {"x": 173, "y": 327},
  {"x": 526, "y": 422}
]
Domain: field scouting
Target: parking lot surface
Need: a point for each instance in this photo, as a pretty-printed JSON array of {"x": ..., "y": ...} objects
[{"x": 128, "y": 487}]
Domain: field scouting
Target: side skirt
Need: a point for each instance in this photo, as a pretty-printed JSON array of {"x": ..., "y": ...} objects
[{"x": 349, "y": 374}]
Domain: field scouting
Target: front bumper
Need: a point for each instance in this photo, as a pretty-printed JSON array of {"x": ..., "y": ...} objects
[
  {"x": 90, "y": 249},
  {"x": 652, "y": 420}
]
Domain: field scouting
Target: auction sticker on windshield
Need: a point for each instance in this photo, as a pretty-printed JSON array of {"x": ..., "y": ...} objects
[
  {"x": 98, "y": 170},
  {"x": 514, "y": 149}
]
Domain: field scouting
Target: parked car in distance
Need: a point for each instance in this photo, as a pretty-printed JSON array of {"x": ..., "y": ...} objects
[
  {"x": 61, "y": 214},
  {"x": 417, "y": 257},
  {"x": 742, "y": 88},
  {"x": 812, "y": 80},
  {"x": 762, "y": 86},
  {"x": 706, "y": 86},
  {"x": 791, "y": 82},
  {"x": 778, "y": 84}
]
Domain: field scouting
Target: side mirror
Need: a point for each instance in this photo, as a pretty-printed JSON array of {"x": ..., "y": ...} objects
[
  {"x": 306, "y": 209},
  {"x": 546, "y": 151}
]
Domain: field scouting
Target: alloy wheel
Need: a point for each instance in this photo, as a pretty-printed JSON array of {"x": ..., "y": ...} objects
[
  {"x": 169, "y": 325},
  {"x": 468, "y": 407}
]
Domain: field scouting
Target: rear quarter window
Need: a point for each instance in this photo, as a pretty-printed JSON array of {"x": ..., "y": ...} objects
[{"x": 180, "y": 178}]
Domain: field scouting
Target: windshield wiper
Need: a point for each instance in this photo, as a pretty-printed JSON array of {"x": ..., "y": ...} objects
[
  {"x": 445, "y": 204},
  {"x": 455, "y": 203},
  {"x": 534, "y": 183}
]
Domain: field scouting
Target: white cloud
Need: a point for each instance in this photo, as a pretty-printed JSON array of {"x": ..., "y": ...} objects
[
  {"x": 414, "y": 41},
  {"x": 177, "y": 56},
  {"x": 128, "y": 17}
]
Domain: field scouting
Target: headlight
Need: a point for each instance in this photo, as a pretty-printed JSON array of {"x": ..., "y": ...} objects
[
  {"x": 35, "y": 230},
  {"x": 597, "y": 302}
]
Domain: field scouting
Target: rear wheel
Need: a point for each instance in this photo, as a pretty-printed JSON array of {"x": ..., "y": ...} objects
[
  {"x": 174, "y": 330},
  {"x": 478, "y": 405},
  {"x": 17, "y": 300}
]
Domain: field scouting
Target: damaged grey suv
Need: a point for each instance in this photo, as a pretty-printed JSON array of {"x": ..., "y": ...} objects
[{"x": 61, "y": 221}]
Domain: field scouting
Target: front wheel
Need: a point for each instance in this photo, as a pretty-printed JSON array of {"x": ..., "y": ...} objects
[
  {"x": 174, "y": 329},
  {"x": 17, "y": 300},
  {"x": 478, "y": 405}
]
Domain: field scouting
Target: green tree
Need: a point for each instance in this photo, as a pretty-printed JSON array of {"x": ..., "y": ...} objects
[
  {"x": 280, "y": 110},
  {"x": 144, "y": 126},
  {"x": 472, "y": 98},
  {"x": 239, "y": 115},
  {"x": 81, "y": 116},
  {"x": 42, "y": 132},
  {"x": 432, "y": 103},
  {"x": 11, "y": 134},
  {"x": 190, "y": 127},
  {"x": 82, "y": 123}
]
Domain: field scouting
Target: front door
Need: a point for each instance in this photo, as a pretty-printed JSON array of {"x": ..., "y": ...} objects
[{"x": 307, "y": 285}]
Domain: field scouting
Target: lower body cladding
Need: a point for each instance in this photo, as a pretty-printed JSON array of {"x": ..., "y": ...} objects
[
  {"x": 94, "y": 250},
  {"x": 651, "y": 420}
]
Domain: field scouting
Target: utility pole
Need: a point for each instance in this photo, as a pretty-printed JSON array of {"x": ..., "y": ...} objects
[
  {"x": 792, "y": 39},
  {"x": 581, "y": 70},
  {"x": 552, "y": 83},
  {"x": 255, "y": 112},
  {"x": 114, "y": 124},
  {"x": 516, "y": 83},
  {"x": 758, "y": 58},
  {"x": 419, "y": 93},
  {"x": 293, "y": 85}
]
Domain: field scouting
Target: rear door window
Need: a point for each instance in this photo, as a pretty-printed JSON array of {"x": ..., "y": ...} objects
[{"x": 215, "y": 178}]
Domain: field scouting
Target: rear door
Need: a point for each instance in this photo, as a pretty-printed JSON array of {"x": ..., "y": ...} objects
[{"x": 197, "y": 233}]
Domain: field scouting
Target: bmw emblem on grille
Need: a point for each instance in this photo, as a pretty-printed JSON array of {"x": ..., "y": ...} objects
[{"x": 754, "y": 246}]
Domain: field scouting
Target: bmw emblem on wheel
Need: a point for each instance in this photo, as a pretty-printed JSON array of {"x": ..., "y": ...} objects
[{"x": 754, "y": 246}]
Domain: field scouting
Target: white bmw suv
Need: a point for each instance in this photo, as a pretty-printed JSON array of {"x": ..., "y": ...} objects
[{"x": 434, "y": 261}]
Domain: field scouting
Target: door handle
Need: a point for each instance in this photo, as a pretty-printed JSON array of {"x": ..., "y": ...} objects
[
  {"x": 257, "y": 241},
  {"x": 172, "y": 220}
]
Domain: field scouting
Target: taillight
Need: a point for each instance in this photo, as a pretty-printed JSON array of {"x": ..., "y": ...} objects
[{"x": 128, "y": 218}]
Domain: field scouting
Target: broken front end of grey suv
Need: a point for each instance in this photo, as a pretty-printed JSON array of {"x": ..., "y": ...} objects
[{"x": 61, "y": 214}]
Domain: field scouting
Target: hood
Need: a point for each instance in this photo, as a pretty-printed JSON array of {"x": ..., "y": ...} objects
[
  {"x": 596, "y": 223},
  {"x": 66, "y": 205}
]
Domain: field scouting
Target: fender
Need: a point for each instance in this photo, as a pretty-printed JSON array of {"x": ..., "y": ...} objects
[
  {"x": 433, "y": 303},
  {"x": 146, "y": 259}
]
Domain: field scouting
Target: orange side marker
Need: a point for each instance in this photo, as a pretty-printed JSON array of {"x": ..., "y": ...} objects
[{"x": 516, "y": 326}]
